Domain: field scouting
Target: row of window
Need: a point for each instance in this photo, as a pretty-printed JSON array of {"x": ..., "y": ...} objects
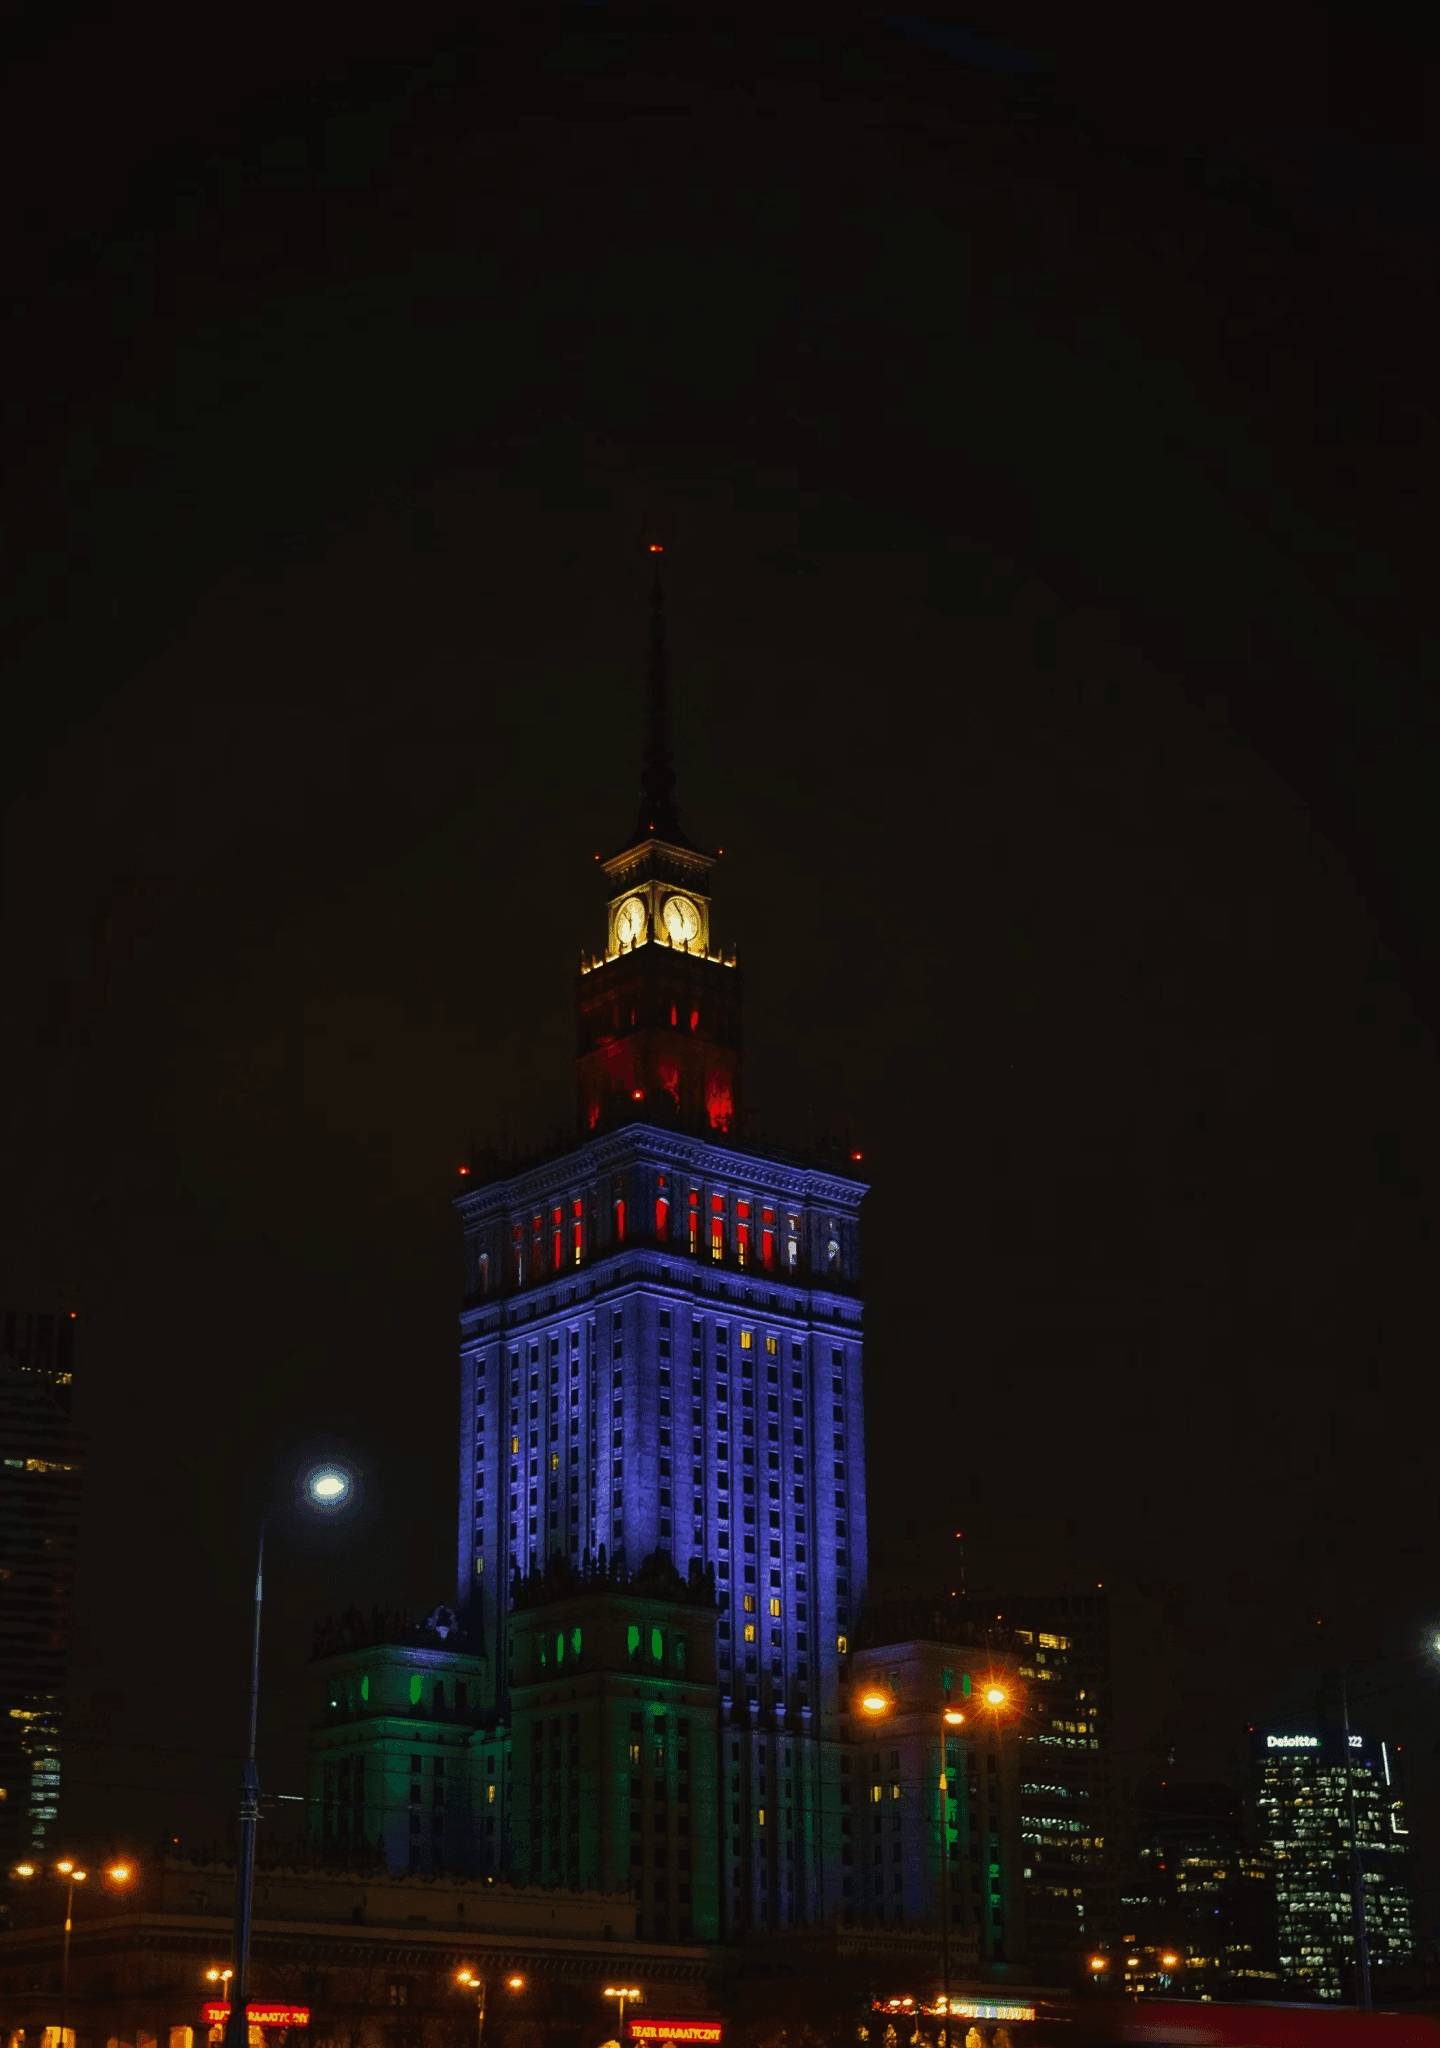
[{"x": 718, "y": 1224}]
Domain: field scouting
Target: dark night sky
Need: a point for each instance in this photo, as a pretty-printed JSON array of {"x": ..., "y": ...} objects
[{"x": 1041, "y": 431}]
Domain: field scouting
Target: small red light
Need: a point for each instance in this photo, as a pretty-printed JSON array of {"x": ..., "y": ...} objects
[
  {"x": 656, "y": 548},
  {"x": 464, "y": 1169},
  {"x": 857, "y": 1155},
  {"x": 639, "y": 1094}
]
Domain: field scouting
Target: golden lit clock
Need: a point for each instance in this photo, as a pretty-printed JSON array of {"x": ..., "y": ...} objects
[
  {"x": 682, "y": 920},
  {"x": 630, "y": 921}
]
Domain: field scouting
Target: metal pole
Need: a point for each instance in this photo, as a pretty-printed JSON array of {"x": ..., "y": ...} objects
[
  {"x": 480, "y": 2013},
  {"x": 1357, "y": 1875},
  {"x": 945, "y": 1872},
  {"x": 237, "y": 2031},
  {"x": 65, "y": 1958}
]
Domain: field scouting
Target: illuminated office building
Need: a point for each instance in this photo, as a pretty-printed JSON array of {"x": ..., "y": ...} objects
[
  {"x": 41, "y": 1468},
  {"x": 1303, "y": 1790}
]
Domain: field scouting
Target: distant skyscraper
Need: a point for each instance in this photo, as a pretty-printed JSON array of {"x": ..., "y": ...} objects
[
  {"x": 40, "y": 1475},
  {"x": 1303, "y": 1810},
  {"x": 661, "y": 1346}
]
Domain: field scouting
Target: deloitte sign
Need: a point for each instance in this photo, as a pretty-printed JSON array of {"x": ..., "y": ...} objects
[{"x": 1292, "y": 1741}]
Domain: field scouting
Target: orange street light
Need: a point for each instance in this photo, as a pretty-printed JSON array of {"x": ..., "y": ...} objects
[
  {"x": 1099, "y": 1962},
  {"x": 1169, "y": 1961},
  {"x": 995, "y": 1697},
  {"x": 119, "y": 1873},
  {"x": 516, "y": 1983},
  {"x": 218, "y": 1976},
  {"x": 622, "y": 1992},
  {"x": 874, "y": 1703},
  {"x": 24, "y": 1870},
  {"x": 953, "y": 1717}
]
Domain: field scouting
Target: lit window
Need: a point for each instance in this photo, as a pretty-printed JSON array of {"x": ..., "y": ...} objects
[
  {"x": 774, "y": 1606},
  {"x": 745, "y": 1338},
  {"x": 842, "y": 1644},
  {"x": 772, "y": 1345},
  {"x": 749, "y": 1603},
  {"x": 767, "y": 1236},
  {"x": 514, "y": 1446},
  {"x": 694, "y": 1222},
  {"x": 742, "y": 1231},
  {"x": 749, "y": 1631}
]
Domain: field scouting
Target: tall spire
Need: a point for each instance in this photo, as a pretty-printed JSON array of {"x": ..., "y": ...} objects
[{"x": 659, "y": 812}]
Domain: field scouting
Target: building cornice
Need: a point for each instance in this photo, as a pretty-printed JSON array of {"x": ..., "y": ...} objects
[{"x": 656, "y": 1145}]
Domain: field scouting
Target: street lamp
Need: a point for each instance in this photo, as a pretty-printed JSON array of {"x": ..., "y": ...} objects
[
  {"x": 477, "y": 1979},
  {"x": 325, "y": 1488},
  {"x": 622, "y": 1992}
]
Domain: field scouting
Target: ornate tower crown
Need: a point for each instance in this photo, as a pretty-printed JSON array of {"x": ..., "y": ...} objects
[{"x": 658, "y": 1015}]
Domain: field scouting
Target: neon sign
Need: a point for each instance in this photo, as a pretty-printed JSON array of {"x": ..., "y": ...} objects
[{"x": 1292, "y": 1741}]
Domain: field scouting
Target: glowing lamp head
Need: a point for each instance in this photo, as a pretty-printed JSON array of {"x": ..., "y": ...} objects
[
  {"x": 24, "y": 1869},
  {"x": 953, "y": 1717},
  {"x": 1099, "y": 1963},
  {"x": 64, "y": 1868},
  {"x": 328, "y": 1487},
  {"x": 464, "y": 1977},
  {"x": 874, "y": 1702},
  {"x": 1169, "y": 1961},
  {"x": 119, "y": 1872},
  {"x": 516, "y": 1983},
  {"x": 995, "y": 1696}
]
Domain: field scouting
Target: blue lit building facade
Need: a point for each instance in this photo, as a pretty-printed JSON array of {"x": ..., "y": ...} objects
[{"x": 662, "y": 1351}]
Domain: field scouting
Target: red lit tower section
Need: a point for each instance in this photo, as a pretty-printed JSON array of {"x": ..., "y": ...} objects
[{"x": 657, "y": 1016}]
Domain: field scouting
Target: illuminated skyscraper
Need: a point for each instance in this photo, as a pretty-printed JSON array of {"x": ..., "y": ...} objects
[
  {"x": 661, "y": 1351},
  {"x": 40, "y": 1476},
  {"x": 1303, "y": 1809}
]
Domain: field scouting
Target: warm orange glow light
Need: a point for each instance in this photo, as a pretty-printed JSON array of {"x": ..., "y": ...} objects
[
  {"x": 24, "y": 1869},
  {"x": 64, "y": 1868},
  {"x": 516, "y": 1983},
  {"x": 996, "y": 1696},
  {"x": 119, "y": 1871},
  {"x": 462, "y": 1169},
  {"x": 954, "y": 1716},
  {"x": 463, "y": 1977},
  {"x": 857, "y": 1155},
  {"x": 1169, "y": 1961},
  {"x": 1099, "y": 1963},
  {"x": 874, "y": 1703},
  {"x": 657, "y": 547}
]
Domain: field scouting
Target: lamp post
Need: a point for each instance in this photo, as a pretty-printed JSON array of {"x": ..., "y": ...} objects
[
  {"x": 72, "y": 1877},
  {"x": 622, "y": 1992},
  {"x": 878, "y": 1704},
  {"x": 326, "y": 1489},
  {"x": 477, "y": 1978}
]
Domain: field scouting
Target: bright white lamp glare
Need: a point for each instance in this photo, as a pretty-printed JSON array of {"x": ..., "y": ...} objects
[{"x": 327, "y": 1486}]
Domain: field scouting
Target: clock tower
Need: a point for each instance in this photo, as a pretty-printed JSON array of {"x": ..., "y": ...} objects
[{"x": 657, "y": 1014}]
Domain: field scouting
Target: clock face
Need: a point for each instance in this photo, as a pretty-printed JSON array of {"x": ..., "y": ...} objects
[
  {"x": 630, "y": 921},
  {"x": 682, "y": 920}
]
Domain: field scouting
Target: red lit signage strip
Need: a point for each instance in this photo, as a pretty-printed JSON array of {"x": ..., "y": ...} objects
[
  {"x": 676, "y": 2030},
  {"x": 262, "y": 2015}
]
